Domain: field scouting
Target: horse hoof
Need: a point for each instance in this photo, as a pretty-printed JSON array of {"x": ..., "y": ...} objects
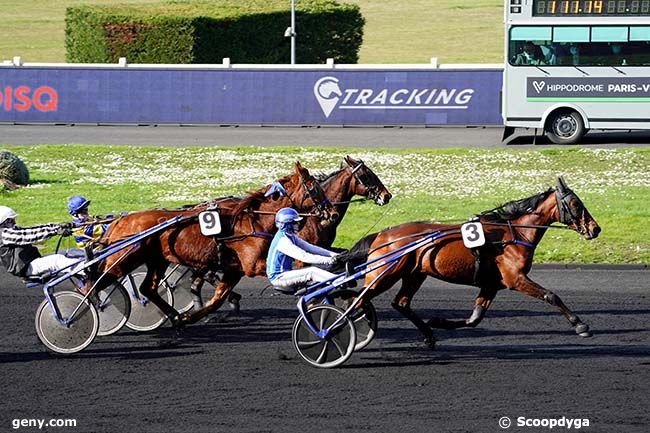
[
  {"x": 180, "y": 321},
  {"x": 234, "y": 306},
  {"x": 583, "y": 329},
  {"x": 430, "y": 342}
]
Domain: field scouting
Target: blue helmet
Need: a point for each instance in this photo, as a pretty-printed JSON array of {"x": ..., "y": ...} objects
[
  {"x": 76, "y": 203},
  {"x": 285, "y": 217}
]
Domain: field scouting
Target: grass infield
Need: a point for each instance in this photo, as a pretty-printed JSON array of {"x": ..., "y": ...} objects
[
  {"x": 444, "y": 185},
  {"x": 396, "y": 31}
]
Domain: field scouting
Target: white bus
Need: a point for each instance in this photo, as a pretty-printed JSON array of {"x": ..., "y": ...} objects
[{"x": 575, "y": 65}]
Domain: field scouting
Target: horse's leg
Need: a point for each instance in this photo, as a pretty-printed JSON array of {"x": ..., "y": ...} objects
[
  {"x": 195, "y": 290},
  {"x": 402, "y": 303},
  {"x": 221, "y": 291},
  {"x": 481, "y": 304},
  {"x": 531, "y": 288},
  {"x": 149, "y": 288},
  {"x": 212, "y": 278}
]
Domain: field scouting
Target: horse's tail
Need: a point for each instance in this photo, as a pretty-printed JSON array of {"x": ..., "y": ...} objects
[{"x": 356, "y": 255}]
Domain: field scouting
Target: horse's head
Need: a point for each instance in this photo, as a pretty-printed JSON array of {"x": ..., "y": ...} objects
[
  {"x": 573, "y": 213},
  {"x": 310, "y": 194},
  {"x": 328, "y": 87},
  {"x": 367, "y": 183}
]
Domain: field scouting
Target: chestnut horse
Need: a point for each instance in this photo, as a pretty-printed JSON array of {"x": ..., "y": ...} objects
[
  {"x": 512, "y": 231},
  {"x": 354, "y": 178},
  {"x": 247, "y": 228}
]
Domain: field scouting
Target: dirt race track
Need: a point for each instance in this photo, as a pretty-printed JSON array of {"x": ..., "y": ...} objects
[{"x": 243, "y": 375}]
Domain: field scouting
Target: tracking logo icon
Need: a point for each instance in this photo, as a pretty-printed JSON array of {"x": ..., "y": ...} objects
[{"x": 328, "y": 93}]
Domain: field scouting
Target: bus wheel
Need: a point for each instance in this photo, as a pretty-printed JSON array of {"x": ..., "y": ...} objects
[{"x": 565, "y": 127}]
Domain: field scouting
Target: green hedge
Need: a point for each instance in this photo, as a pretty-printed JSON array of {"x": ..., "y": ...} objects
[{"x": 247, "y": 31}]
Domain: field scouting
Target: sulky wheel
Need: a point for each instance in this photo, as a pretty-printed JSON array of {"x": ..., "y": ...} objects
[
  {"x": 331, "y": 350},
  {"x": 78, "y": 334},
  {"x": 364, "y": 319},
  {"x": 180, "y": 281},
  {"x": 145, "y": 316},
  {"x": 114, "y": 308}
]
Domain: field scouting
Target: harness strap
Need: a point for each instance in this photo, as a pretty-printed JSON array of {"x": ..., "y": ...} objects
[
  {"x": 477, "y": 264},
  {"x": 356, "y": 200},
  {"x": 516, "y": 241}
]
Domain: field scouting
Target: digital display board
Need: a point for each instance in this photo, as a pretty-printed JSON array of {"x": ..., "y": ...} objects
[{"x": 590, "y": 8}]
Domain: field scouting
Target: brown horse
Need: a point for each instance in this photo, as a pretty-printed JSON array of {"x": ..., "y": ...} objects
[
  {"x": 247, "y": 227},
  {"x": 354, "y": 178},
  {"x": 512, "y": 232}
]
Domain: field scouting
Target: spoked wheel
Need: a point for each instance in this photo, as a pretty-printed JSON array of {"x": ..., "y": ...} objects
[
  {"x": 364, "y": 319},
  {"x": 181, "y": 281},
  {"x": 145, "y": 316},
  {"x": 78, "y": 334},
  {"x": 114, "y": 307},
  {"x": 330, "y": 351}
]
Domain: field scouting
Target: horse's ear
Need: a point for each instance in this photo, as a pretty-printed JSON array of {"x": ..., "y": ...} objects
[
  {"x": 300, "y": 170},
  {"x": 351, "y": 161},
  {"x": 561, "y": 184}
]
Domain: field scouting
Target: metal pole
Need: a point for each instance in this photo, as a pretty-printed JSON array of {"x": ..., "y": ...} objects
[{"x": 293, "y": 32}]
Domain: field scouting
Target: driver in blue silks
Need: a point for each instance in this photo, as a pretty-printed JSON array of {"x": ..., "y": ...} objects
[{"x": 286, "y": 247}]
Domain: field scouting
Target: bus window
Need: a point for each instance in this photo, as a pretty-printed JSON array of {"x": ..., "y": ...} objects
[
  {"x": 640, "y": 34},
  {"x": 639, "y": 45},
  {"x": 531, "y": 46},
  {"x": 571, "y": 34},
  {"x": 609, "y": 34}
]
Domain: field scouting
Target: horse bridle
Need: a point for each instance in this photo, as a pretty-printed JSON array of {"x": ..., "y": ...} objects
[
  {"x": 313, "y": 193},
  {"x": 566, "y": 216},
  {"x": 364, "y": 179}
]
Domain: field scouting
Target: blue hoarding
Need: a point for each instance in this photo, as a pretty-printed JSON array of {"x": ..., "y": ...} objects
[{"x": 259, "y": 96}]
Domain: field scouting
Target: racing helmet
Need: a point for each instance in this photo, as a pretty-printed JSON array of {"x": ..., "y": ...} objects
[
  {"x": 76, "y": 203},
  {"x": 285, "y": 218},
  {"x": 6, "y": 213}
]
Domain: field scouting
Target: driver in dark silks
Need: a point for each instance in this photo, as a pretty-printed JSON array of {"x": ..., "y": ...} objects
[
  {"x": 18, "y": 254},
  {"x": 85, "y": 231}
]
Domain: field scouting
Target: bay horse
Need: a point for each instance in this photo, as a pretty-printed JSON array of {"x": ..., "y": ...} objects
[
  {"x": 247, "y": 228},
  {"x": 353, "y": 178},
  {"x": 512, "y": 231}
]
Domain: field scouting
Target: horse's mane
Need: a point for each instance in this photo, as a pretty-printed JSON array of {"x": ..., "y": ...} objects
[
  {"x": 516, "y": 208},
  {"x": 254, "y": 198},
  {"x": 322, "y": 177}
]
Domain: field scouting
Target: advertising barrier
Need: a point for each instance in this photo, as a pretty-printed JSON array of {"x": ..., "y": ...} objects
[{"x": 373, "y": 97}]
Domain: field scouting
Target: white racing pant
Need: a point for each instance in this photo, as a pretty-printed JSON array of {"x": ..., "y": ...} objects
[
  {"x": 51, "y": 263},
  {"x": 297, "y": 277}
]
